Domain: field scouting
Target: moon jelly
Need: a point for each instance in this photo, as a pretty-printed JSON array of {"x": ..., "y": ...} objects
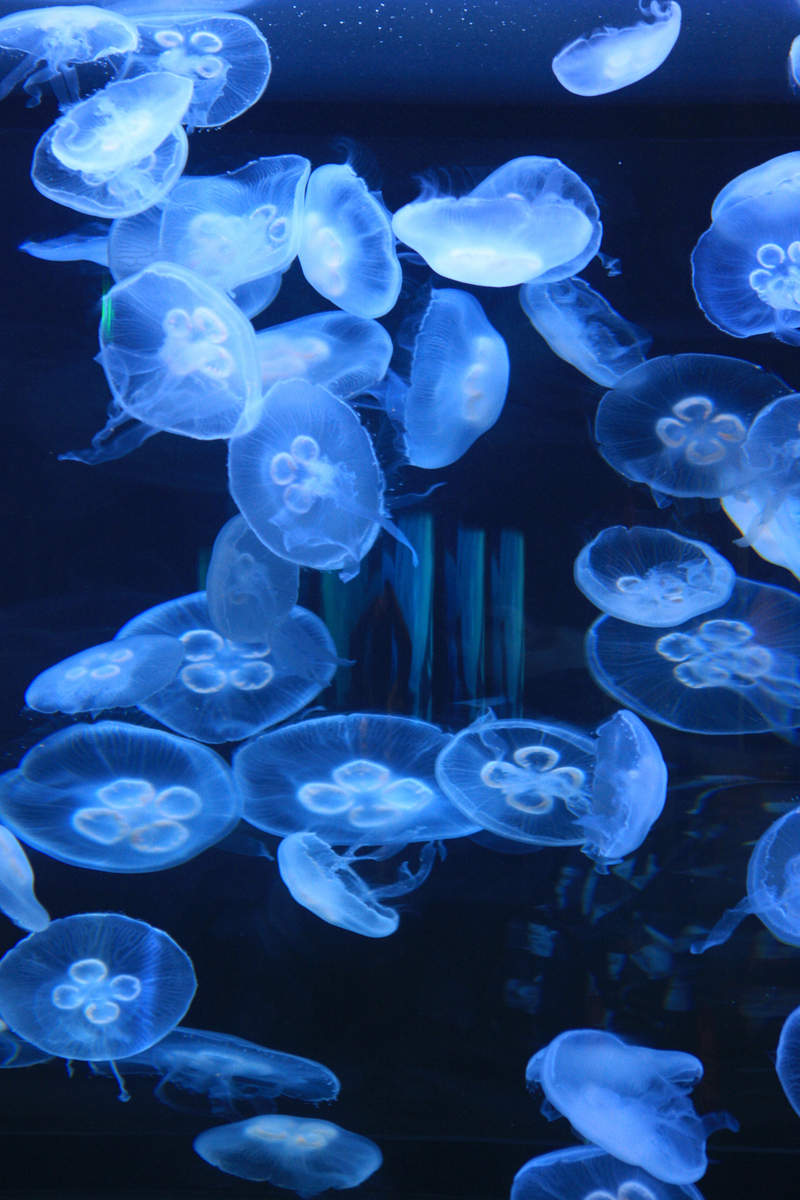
[
  {"x": 16, "y": 1052},
  {"x": 588, "y": 1173},
  {"x": 107, "y": 676},
  {"x": 17, "y": 900},
  {"x": 788, "y": 1061},
  {"x": 346, "y": 355},
  {"x": 769, "y": 519},
  {"x": 95, "y": 986},
  {"x": 249, "y": 590},
  {"x": 610, "y": 59}
]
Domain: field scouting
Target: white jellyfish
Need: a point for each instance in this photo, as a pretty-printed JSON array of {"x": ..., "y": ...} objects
[{"x": 610, "y": 59}]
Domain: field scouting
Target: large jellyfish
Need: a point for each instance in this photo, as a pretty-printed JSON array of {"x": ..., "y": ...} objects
[
  {"x": 95, "y": 986},
  {"x": 610, "y": 59},
  {"x": 119, "y": 797},
  {"x": 532, "y": 218},
  {"x": 307, "y": 1156},
  {"x": 733, "y": 670},
  {"x": 588, "y": 1173},
  {"x": 787, "y": 1063},
  {"x": 17, "y": 900},
  {"x": 346, "y": 355},
  {"x": 107, "y": 676},
  {"x": 249, "y": 590},
  {"x": 651, "y": 576},
  {"x": 630, "y": 1100},
  {"x": 679, "y": 424}
]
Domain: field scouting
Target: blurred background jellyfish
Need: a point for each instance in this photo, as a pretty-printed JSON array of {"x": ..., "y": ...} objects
[
  {"x": 630, "y": 1100},
  {"x": 346, "y": 355},
  {"x": 787, "y": 1063},
  {"x": 588, "y": 1173},
  {"x": 610, "y": 59},
  {"x": 107, "y": 676},
  {"x": 652, "y": 576},
  {"x": 16, "y": 1052},
  {"x": 119, "y": 797},
  {"x": 17, "y": 900},
  {"x": 532, "y": 218},
  {"x": 249, "y": 590},
  {"x": 95, "y": 986},
  {"x": 581, "y": 327},
  {"x": 304, "y": 1155},
  {"x": 679, "y": 423}
]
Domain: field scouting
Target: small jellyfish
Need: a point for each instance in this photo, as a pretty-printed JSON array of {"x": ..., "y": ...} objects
[
  {"x": 787, "y": 1063},
  {"x": 581, "y": 327},
  {"x": 346, "y": 355},
  {"x": 610, "y": 59},
  {"x": 532, "y": 218},
  {"x": 651, "y": 576},
  {"x": 17, "y": 900},
  {"x": 733, "y": 670},
  {"x": 631, "y": 1101},
  {"x": 97, "y": 986},
  {"x": 347, "y": 248},
  {"x": 307, "y": 1156},
  {"x": 249, "y": 590},
  {"x": 679, "y": 424},
  {"x": 89, "y": 244},
  {"x": 107, "y": 676},
  {"x": 118, "y": 797},
  {"x": 588, "y": 1173}
]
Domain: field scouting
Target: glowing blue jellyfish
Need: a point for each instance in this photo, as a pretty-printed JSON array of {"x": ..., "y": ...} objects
[
  {"x": 347, "y": 248},
  {"x": 17, "y": 900},
  {"x": 354, "y": 780},
  {"x": 773, "y": 887},
  {"x": 224, "y": 56},
  {"x": 581, "y": 327},
  {"x": 346, "y": 355},
  {"x": 679, "y": 424},
  {"x": 769, "y": 520},
  {"x": 610, "y": 59},
  {"x": 734, "y": 670},
  {"x": 119, "y": 797},
  {"x": 249, "y": 590},
  {"x": 107, "y": 676},
  {"x": 788, "y": 1061},
  {"x": 630, "y": 1100},
  {"x": 651, "y": 576},
  {"x": 95, "y": 986},
  {"x": 774, "y": 174},
  {"x": 61, "y": 37},
  {"x": 118, "y": 152},
  {"x": 588, "y": 1173},
  {"x": 229, "y": 690},
  {"x": 457, "y": 383},
  {"x": 16, "y": 1052},
  {"x": 306, "y": 1156},
  {"x": 532, "y": 218},
  {"x": 89, "y": 245}
]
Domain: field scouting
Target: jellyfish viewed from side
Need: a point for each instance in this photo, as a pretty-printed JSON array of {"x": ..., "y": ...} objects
[
  {"x": 610, "y": 59},
  {"x": 787, "y": 1063},
  {"x": 107, "y": 676},
  {"x": 17, "y": 900},
  {"x": 249, "y": 590},
  {"x": 588, "y": 1173},
  {"x": 346, "y": 355}
]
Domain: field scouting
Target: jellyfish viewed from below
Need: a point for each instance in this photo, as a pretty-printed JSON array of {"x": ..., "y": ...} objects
[
  {"x": 119, "y": 797},
  {"x": 630, "y": 1101},
  {"x": 249, "y": 590},
  {"x": 107, "y": 676},
  {"x": 17, "y": 900},
  {"x": 610, "y": 59},
  {"x": 95, "y": 986},
  {"x": 588, "y": 1173},
  {"x": 532, "y": 218},
  {"x": 346, "y": 355},
  {"x": 307, "y": 1156},
  {"x": 733, "y": 670},
  {"x": 788, "y": 1061},
  {"x": 651, "y": 576}
]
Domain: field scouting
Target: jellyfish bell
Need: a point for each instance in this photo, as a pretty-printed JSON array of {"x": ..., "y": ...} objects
[
  {"x": 249, "y": 590},
  {"x": 106, "y": 676},
  {"x": 610, "y": 59},
  {"x": 588, "y": 1173},
  {"x": 17, "y": 900},
  {"x": 787, "y": 1063},
  {"x": 345, "y": 354}
]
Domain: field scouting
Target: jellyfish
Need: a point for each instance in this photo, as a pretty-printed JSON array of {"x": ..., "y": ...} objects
[
  {"x": 249, "y": 590},
  {"x": 679, "y": 424},
  {"x": 95, "y": 986},
  {"x": 17, "y": 900},
  {"x": 769, "y": 520},
  {"x": 610, "y": 59},
  {"x": 347, "y": 247},
  {"x": 775, "y": 173},
  {"x": 788, "y": 1061},
  {"x": 227, "y": 690},
  {"x": 733, "y": 670},
  {"x": 89, "y": 244},
  {"x": 107, "y": 676},
  {"x": 61, "y": 37},
  {"x": 16, "y": 1052},
  {"x": 119, "y": 797},
  {"x": 346, "y": 355},
  {"x": 532, "y": 218},
  {"x": 773, "y": 887},
  {"x": 457, "y": 382},
  {"x": 630, "y": 1101},
  {"x": 353, "y": 780},
  {"x": 588, "y": 1173},
  {"x": 178, "y": 355},
  {"x": 307, "y": 1156},
  {"x": 652, "y": 577},
  {"x": 581, "y": 327}
]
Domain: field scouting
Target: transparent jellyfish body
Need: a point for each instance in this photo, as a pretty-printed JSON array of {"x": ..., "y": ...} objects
[
  {"x": 16, "y": 1052},
  {"x": 119, "y": 797},
  {"x": 679, "y": 424},
  {"x": 97, "y": 986},
  {"x": 249, "y": 590},
  {"x": 652, "y": 576},
  {"x": 227, "y": 690},
  {"x": 347, "y": 248},
  {"x": 89, "y": 244},
  {"x": 53, "y": 41},
  {"x": 457, "y": 382},
  {"x": 588, "y": 1173},
  {"x": 733, "y": 670},
  {"x": 346, "y": 355},
  {"x": 775, "y": 173},
  {"x": 532, "y": 218},
  {"x": 610, "y": 59},
  {"x": 107, "y": 676},
  {"x": 787, "y": 1063},
  {"x": 581, "y": 327},
  {"x": 17, "y": 900},
  {"x": 306, "y": 1156},
  {"x": 630, "y": 1101}
]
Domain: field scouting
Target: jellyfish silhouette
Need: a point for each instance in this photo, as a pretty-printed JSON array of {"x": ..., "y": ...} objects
[
  {"x": 787, "y": 1063},
  {"x": 610, "y": 59},
  {"x": 346, "y": 355},
  {"x": 588, "y": 1173},
  {"x": 107, "y": 676}
]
